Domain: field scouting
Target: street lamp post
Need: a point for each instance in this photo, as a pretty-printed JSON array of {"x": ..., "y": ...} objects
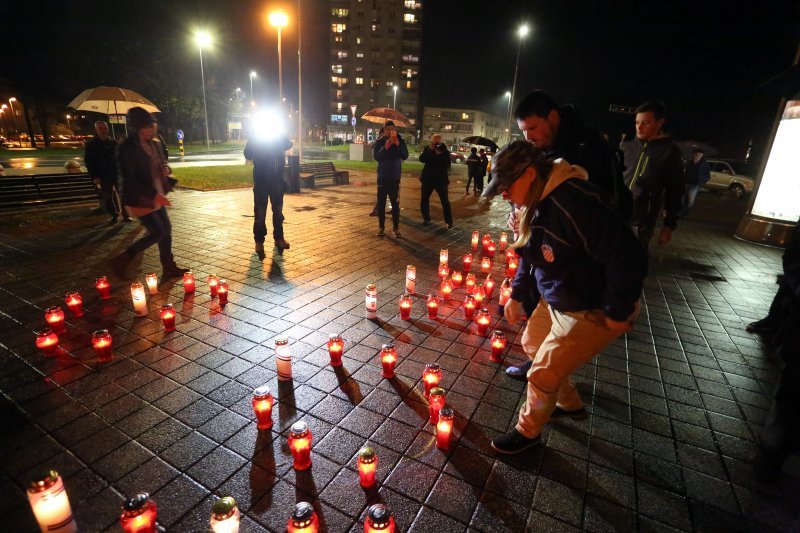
[
  {"x": 252, "y": 97},
  {"x": 68, "y": 117},
  {"x": 394, "y": 103},
  {"x": 508, "y": 113},
  {"x": 299, "y": 87},
  {"x": 203, "y": 39},
  {"x": 522, "y": 32},
  {"x": 279, "y": 20},
  {"x": 13, "y": 113}
]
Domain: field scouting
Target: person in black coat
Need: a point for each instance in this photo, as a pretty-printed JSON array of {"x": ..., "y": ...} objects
[
  {"x": 474, "y": 172},
  {"x": 389, "y": 151},
  {"x": 434, "y": 177},
  {"x": 100, "y": 157}
]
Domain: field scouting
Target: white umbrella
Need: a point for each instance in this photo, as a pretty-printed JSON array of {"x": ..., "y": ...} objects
[{"x": 111, "y": 101}]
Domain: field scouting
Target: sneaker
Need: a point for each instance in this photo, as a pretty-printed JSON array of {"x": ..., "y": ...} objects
[
  {"x": 574, "y": 414},
  {"x": 514, "y": 442},
  {"x": 450, "y": 226},
  {"x": 374, "y": 213},
  {"x": 259, "y": 247},
  {"x": 282, "y": 245},
  {"x": 396, "y": 233},
  {"x": 426, "y": 222},
  {"x": 174, "y": 271},
  {"x": 381, "y": 232},
  {"x": 765, "y": 325},
  {"x": 519, "y": 371}
]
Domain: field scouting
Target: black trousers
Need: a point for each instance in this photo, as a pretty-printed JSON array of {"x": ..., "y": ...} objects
[
  {"x": 478, "y": 183},
  {"x": 264, "y": 193},
  {"x": 159, "y": 231},
  {"x": 107, "y": 192},
  {"x": 425, "y": 202},
  {"x": 391, "y": 190}
]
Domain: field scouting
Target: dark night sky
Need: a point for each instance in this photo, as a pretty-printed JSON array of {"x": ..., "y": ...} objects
[{"x": 704, "y": 59}]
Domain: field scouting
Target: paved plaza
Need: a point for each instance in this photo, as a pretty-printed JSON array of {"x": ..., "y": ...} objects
[{"x": 675, "y": 405}]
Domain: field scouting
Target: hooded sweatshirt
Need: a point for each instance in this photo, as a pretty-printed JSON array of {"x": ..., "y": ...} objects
[
  {"x": 657, "y": 178},
  {"x": 581, "y": 255}
]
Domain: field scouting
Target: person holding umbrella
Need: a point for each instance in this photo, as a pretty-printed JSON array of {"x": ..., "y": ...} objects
[
  {"x": 390, "y": 151},
  {"x": 100, "y": 157}
]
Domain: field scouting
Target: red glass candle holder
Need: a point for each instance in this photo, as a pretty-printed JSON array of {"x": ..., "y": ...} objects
[
  {"x": 388, "y": 359},
  {"x": 503, "y": 240},
  {"x": 300, "y": 445},
  {"x": 367, "y": 466},
  {"x": 475, "y": 239},
  {"x": 435, "y": 403},
  {"x": 510, "y": 254},
  {"x": 478, "y": 294},
  {"x": 102, "y": 342},
  {"x": 139, "y": 514},
  {"x": 304, "y": 519},
  {"x": 335, "y": 349},
  {"x": 213, "y": 285},
  {"x": 444, "y": 256},
  {"x": 47, "y": 341},
  {"x": 487, "y": 238},
  {"x": 222, "y": 293},
  {"x": 225, "y": 516},
  {"x": 433, "y": 306},
  {"x": 168, "y": 317},
  {"x": 491, "y": 249},
  {"x": 431, "y": 377},
  {"x": 469, "y": 307},
  {"x": 488, "y": 287},
  {"x": 446, "y": 289},
  {"x": 379, "y": 519},
  {"x": 444, "y": 271},
  {"x": 469, "y": 283},
  {"x": 262, "y": 403},
  {"x": 456, "y": 278},
  {"x": 54, "y": 317},
  {"x": 188, "y": 282},
  {"x": 103, "y": 287},
  {"x": 405, "y": 307},
  {"x": 467, "y": 262},
  {"x": 498, "y": 344},
  {"x": 505, "y": 292},
  {"x": 75, "y": 304},
  {"x": 444, "y": 428},
  {"x": 511, "y": 269},
  {"x": 486, "y": 265},
  {"x": 483, "y": 321}
]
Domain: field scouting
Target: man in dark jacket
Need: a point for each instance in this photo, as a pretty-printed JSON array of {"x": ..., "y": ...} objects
[
  {"x": 436, "y": 158},
  {"x": 267, "y": 154},
  {"x": 474, "y": 171},
  {"x": 390, "y": 151},
  {"x": 484, "y": 165},
  {"x": 697, "y": 174},
  {"x": 657, "y": 177},
  {"x": 101, "y": 161}
]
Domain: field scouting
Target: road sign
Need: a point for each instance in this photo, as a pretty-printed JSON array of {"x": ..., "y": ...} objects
[
  {"x": 353, "y": 121},
  {"x": 353, "y": 108},
  {"x": 179, "y": 133}
]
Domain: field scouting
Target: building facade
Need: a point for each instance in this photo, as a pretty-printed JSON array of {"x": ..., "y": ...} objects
[
  {"x": 455, "y": 124},
  {"x": 375, "y": 46}
]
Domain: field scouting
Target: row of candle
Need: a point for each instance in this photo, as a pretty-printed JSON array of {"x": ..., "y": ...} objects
[{"x": 51, "y": 507}]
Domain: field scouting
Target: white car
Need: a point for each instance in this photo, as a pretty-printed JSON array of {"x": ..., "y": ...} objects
[{"x": 725, "y": 178}]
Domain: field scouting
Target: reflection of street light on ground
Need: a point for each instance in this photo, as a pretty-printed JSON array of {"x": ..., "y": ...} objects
[
  {"x": 394, "y": 103},
  {"x": 279, "y": 20},
  {"x": 522, "y": 32},
  {"x": 203, "y": 38},
  {"x": 252, "y": 98}
]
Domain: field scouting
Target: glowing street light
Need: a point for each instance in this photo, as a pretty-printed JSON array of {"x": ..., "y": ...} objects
[
  {"x": 394, "y": 104},
  {"x": 252, "y": 98},
  {"x": 203, "y": 38},
  {"x": 522, "y": 32},
  {"x": 279, "y": 20},
  {"x": 508, "y": 111},
  {"x": 13, "y": 113}
]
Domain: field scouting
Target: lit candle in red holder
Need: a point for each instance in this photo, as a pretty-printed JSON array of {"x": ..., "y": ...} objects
[
  {"x": 139, "y": 299},
  {"x": 444, "y": 256},
  {"x": 102, "y": 343},
  {"x": 388, "y": 359},
  {"x": 222, "y": 293},
  {"x": 510, "y": 254},
  {"x": 225, "y": 516},
  {"x": 262, "y": 403},
  {"x": 152, "y": 282},
  {"x": 503, "y": 240},
  {"x": 335, "y": 349},
  {"x": 487, "y": 238},
  {"x": 411, "y": 278},
  {"x": 379, "y": 519},
  {"x": 469, "y": 283},
  {"x": 446, "y": 289},
  {"x": 505, "y": 294},
  {"x": 188, "y": 282},
  {"x": 47, "y": 341},
  {"x": 483, "y": 320},
  {"x": 491, "y": 249},
  {"x": 511, "y": 270},
  {"x": 168, "y": 317},
  {"x": 75, "y": 304},
  {"x": 498, "y": 343},
  {"x": 213, "y": 285},
  {"x": 304, "y": 519},
  {"x": 431, "y": 377},
  {"x": 405, "y": 307},
  {"x": 433, "y": 306},
  {"x": 478, "y": 294},
  {"x": 456, "y": 278},
  {"x": 139, "y": 514},
  {"x": 300, "y": 445},
  {"x": 486, "y": 265},
  {"x": 444, "y": 271},
  {"x": 50, "y": 503},
  {"x": 467, "y": 262},
  {"x": 367, "y": 465},
  {"x": 55, "y": 319},
  {"x": 444, "y": 427},
  {"x": 488, "y": 286},
  {"x": 475, "y": 237},
  {"x": 103, "y": 287},
  {"x": 469, "y": 307},
  {"x": 435, "y": 403}
]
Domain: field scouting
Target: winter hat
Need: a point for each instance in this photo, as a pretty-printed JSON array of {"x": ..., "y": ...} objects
[{"x": 139, "y": 117}]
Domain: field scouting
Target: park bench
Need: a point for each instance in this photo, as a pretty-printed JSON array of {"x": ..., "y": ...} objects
[
  {"x": 310, "y": 172},
  {"x": 21, "y": 191}
]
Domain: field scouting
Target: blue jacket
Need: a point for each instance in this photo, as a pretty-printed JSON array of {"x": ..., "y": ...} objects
[
  {"x": 581, "y": 254},
  {"x": 390, "y": 162}
]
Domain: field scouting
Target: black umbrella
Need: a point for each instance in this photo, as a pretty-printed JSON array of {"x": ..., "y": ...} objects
[{"x": 480, "y": 141}]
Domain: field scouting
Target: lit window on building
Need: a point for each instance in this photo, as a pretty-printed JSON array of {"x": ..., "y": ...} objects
[
  {"x": 339, "y": 80},
  {"x": 338, "y": 38},
  {"x": 374, "y": 82},
  {"x": 360, "y": 55},
  {"x": 339, "y": 106},
  {"x": 375, "y": 27},
  {"x": 410, "y": 58},
  {"x": 358, "y": 40},
  {"x": 411, "y": 4},
  {"x": 409, "y": 17},
  {"x": 337, "y": 69},
  {"x": 339, "y": 119},
  {"x": 359, "y": 69},
  {"x": 447, "y": 127},
  {"x": 339, "y": 94},
  {"x": 340, "y": 12},
  {"x": 389, "y": 84},
  {"x": 338, "y": 27},
  {"x": 341, "y": 54},
  {"x": 464, "y": 116},
  {"x": 359, "y": 81},
  {"x": 409, "y": 84}
]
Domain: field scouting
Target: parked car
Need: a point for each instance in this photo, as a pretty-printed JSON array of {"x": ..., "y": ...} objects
[
  {"x": 725, "y": 178},
  {"x": 456, "y": 157}
]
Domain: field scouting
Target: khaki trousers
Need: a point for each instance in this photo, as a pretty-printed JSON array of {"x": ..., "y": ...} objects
[{"x": 558, "y": 344}]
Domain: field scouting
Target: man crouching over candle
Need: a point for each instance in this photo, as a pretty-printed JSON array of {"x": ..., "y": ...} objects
[{"x": 585, "y": 266}]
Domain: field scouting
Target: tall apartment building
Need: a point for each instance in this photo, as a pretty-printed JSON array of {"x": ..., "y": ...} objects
[
  {"x": 455, "y": 124},
  {"x": 375, "y": 45}
]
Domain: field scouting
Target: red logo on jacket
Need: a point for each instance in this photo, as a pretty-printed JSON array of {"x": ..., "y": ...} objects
[{"x": 547, "y": 253}]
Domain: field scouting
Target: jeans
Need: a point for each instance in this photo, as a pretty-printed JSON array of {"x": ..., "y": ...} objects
[
  {"x": 265, "y": 192},
  {"x": 108, "y": 192},
  {"x": 424, "y": 205},
  {"x": 390, "y": 189},
  {"x": 691, "y": 195},
  {"x": 159, "y": 231}
]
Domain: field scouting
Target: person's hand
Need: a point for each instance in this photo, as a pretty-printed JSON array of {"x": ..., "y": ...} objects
[
  {"x": 162, "y": 200},
  {"x": 665, "y": 236},
  {"x": 513, "y": 311},
  {"x": 619, "y": 327}
]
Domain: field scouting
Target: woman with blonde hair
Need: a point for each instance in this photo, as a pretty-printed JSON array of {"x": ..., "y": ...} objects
[{"x": 582, "y": 264}]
